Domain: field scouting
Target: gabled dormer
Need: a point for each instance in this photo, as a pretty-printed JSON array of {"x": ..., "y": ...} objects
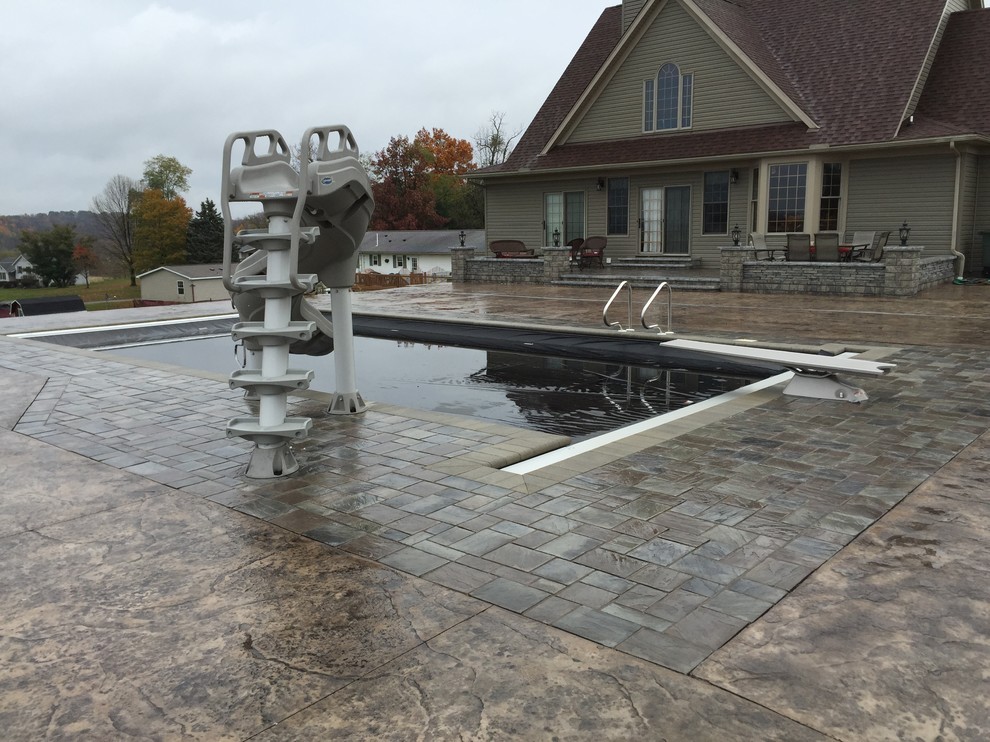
[{"x": 675, "y": 70}]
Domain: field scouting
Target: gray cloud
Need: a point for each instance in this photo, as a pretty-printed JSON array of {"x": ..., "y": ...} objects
[{"x": 94, "y": 89}]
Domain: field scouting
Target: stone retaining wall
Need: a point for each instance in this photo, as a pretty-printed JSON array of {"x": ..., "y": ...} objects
[
  {"x": 902, "y": 272},
  {"x": 547, "y": 267}
]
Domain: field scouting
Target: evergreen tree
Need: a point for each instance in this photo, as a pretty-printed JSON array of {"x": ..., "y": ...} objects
[{"x": 204, "y": 238}]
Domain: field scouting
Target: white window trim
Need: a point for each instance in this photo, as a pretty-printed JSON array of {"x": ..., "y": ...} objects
[
  {"x": 813, "y": 191},
  {"x": 656, "y": 96}
]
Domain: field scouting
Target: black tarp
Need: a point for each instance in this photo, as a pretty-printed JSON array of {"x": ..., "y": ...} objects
[
  {"x": 47, "y": 305},
  {"x": 602, "y": 345}
]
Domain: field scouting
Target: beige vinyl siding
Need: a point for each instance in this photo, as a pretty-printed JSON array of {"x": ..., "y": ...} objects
[
  {"x": 882, "y": 193},
  {"x": 514, "y": 210},
  {"x": 968, "y": 239},
  {"x": 724, "y": 95},
  {"x": 163, "y": 286},
  {"x": 981, "y": 213},
  {"x": 982, "y": 207}
]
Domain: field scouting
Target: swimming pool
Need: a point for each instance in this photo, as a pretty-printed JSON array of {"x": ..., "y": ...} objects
[{"x": 616, "y": 383}]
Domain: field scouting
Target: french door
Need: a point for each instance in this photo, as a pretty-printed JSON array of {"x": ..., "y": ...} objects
[
  {"x": 665, "y": 220},
  {"x": 563, "y": 213}
]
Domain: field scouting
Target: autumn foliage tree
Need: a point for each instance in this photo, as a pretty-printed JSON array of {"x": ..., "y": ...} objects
[
  {"x": 420, "y": 184},
  {"x": 84, "y": 258},
  {"x": 160, "y": 230}
]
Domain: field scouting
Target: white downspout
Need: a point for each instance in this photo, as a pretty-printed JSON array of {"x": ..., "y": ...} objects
[{"x": 953, "y": 240}]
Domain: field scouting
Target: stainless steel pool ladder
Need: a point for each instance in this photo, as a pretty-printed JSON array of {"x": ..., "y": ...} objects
[{"x": 646, "y": 307}]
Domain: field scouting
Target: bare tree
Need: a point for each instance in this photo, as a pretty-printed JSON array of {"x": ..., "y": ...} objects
[
  {"x": 114, "y": 209},
  {"x": 493, "y": 141}
]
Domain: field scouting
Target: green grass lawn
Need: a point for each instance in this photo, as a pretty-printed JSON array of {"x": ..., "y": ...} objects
[{"x": 108, "y": 293}]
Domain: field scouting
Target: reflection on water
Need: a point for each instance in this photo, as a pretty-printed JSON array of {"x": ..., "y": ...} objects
[{"x": 553, "y": 395}]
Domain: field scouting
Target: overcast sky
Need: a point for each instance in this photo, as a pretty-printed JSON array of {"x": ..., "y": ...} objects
[{"x": 93, "y": 89}]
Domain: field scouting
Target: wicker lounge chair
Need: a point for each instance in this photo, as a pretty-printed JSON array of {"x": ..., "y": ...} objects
[
  {"x": 591, "y": 251},
  {"x": 510, "y": 249}
]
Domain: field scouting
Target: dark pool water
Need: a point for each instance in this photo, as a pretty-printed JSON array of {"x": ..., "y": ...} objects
[{"x": 554, "y": 395}]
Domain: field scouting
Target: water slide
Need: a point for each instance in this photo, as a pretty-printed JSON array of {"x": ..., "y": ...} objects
[{"x": 317, "y": 214}]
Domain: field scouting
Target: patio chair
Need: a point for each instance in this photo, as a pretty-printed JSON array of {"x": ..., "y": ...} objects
[
  {"x": 761, "y": 250},
  {"x": 861, "y": 244},
  {"x": 827, "y": 247},
  {"x": 575, "y": 246},
  {"x": 874, "y": 253},
  {"x": 798, "y": 247},
  {"x": 593, "y": 249}
]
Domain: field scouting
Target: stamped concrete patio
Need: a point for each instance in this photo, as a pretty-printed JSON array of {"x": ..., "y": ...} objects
[{"x": 777, "y": 568}]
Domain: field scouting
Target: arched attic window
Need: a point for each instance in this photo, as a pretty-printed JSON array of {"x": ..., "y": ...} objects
[{"x": 667, "y": 100}]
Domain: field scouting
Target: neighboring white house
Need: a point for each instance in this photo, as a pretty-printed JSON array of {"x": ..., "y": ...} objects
[
  {"x": 414, "y": 251},
  {"x": 183, "y": 283},
  {"x": 13, "y": 268}
]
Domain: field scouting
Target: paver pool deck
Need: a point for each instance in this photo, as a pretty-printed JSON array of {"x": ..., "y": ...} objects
[{"x": 774, "y": 568}]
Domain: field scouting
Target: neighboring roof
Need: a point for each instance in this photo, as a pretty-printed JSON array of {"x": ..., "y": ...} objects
[
  {"x": 10, "y": 264},
  {"x": 419, "y": 242},
  {"x": 192, "y": 272},
  {"x": 851, "y": 68}
]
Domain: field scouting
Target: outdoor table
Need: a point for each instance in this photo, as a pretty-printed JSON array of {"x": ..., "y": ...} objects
[
  {"x": 848, "y": 252},
  {"x": 770, "y": 251}
]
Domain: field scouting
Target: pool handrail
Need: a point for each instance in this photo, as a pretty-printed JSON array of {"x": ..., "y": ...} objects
[
  {"x": 618, "y": 289},
  {"x": 649, "y": 302}
]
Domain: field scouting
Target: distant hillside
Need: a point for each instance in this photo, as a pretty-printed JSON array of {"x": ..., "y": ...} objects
[{"x": 11, "y": 227}]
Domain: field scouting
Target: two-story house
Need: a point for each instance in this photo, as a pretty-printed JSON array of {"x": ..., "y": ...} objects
[{"x": 678, "y": 120}]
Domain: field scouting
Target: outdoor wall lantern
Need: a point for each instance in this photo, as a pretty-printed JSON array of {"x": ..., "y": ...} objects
[
  {"x": 733, "y": 176},
  {"x": 600, "y": 185},
  {"x": 904, "y": 232},
  {"x": 556, "y": 237},
  {"x": 462, "y": 237},
  {"x": 735, "y": 235}
]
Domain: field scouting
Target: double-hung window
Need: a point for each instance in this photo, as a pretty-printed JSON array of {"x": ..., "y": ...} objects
[
  {"x": 180, "y": 288},
  {"x": 667, "y": 100},
  {"x": 617, "y": 221},
  {"x": 715, "y": 217},
  {"x": 828, "y": 221}
]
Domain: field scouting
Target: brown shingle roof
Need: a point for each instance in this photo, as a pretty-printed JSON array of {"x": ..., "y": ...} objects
[
  {"x": 578, "y": 75},
  {"x": 850, "y": 66},
  {"x": 957, "y": 93}
]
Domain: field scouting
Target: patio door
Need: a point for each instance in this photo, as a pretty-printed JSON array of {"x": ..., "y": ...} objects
[
  {"x": 665, "y": 220},
  {"x": 563, "y": 212}
]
